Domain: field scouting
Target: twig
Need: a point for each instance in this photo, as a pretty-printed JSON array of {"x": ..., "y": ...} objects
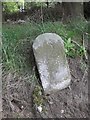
[
  {"x": 76, "y": 43},
  {"x": 42, "y": 16},
  {"x": 85, "y": 53}
]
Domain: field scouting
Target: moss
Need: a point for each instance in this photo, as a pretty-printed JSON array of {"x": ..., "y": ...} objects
[{"x": 38, "y": 98}]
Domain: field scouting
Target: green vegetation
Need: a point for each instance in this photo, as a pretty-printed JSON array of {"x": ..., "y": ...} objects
[
  {"x": 10, "y": 7},
  {"x": 17, "y": 39},
  {"x": 38, "y": 96}
]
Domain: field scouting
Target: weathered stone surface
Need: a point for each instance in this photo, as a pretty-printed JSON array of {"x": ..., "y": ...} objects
[{"x": 51, "y": 62}]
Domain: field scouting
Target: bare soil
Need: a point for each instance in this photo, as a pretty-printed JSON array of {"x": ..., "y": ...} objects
[{"x": 71, "y": 102}]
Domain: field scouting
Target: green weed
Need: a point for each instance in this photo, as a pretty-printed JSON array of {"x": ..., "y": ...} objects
[
  {"x": 73, "y": 50},
  {"x": 69, "y": 48}
]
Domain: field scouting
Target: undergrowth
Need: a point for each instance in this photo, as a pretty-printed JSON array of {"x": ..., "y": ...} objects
[{"x": 17, "y": 39}]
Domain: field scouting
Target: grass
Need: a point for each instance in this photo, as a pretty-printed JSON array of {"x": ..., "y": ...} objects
[{"x": 17, "y": 39}]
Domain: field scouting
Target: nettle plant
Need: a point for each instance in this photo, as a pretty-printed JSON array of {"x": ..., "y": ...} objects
[
  {"x": 69, "y": 48},
  {"x": 81, "y": 51},
  {"x": 73, "y": 49}
]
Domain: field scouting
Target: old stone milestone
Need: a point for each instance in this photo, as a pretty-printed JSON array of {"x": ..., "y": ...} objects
[{"x": 51, "y": 62}]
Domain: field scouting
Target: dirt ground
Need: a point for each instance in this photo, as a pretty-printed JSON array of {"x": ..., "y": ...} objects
[{"x": 72, "y": 102}]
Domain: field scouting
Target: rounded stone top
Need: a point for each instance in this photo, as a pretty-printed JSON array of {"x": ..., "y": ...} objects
[{"x": 48, "y": 38}]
